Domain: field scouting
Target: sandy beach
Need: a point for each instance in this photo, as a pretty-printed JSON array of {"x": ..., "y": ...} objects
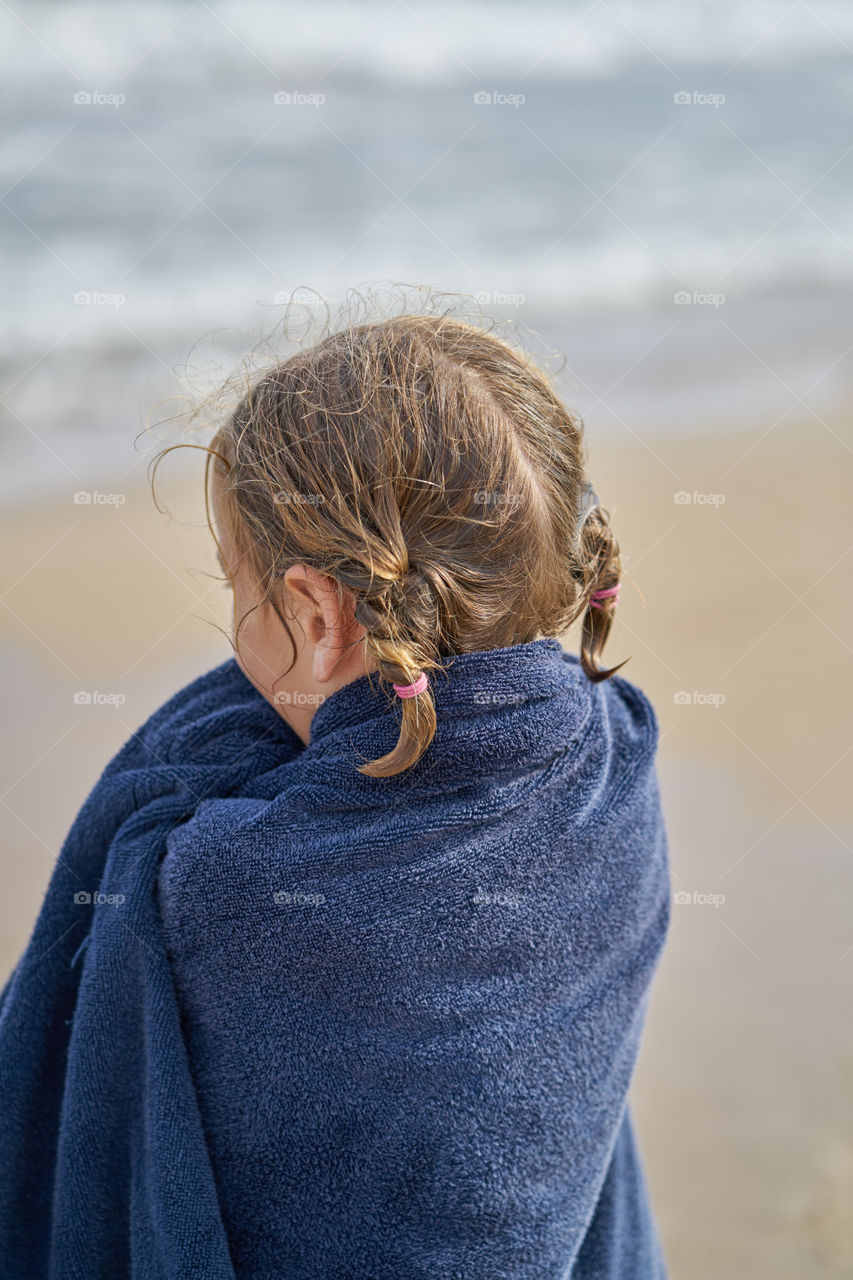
[{"x": 737, "y": 551}]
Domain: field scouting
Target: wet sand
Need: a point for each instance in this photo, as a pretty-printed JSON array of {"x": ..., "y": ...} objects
[{"x": 737, "y": 621}]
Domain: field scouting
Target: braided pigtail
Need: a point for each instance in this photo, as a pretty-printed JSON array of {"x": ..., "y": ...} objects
[
  {"x": 403, "y": 624},
  {"x": 600, "y": 569}
]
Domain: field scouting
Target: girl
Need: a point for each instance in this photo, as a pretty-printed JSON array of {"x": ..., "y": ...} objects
[{"x": 342, "y": 970}]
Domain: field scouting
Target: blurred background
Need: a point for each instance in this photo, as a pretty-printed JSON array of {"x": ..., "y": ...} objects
[{"x": 655, "y": 200}]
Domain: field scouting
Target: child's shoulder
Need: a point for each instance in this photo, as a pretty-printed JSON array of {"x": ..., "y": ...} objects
[
  {"x": 205, "y": 694},
  {"x": 627, "y": 710},
  {"x": 198, "y": 723}
]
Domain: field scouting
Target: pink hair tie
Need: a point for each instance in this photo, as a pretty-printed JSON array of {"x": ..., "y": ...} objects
[
  {"x": 412, "y": 690},
  {"x": 596, "y": 600}
]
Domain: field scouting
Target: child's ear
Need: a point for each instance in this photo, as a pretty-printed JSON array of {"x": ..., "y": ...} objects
[{"x": 328, "y": 622}]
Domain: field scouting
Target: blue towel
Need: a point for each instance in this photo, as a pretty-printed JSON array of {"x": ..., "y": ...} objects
[{"x": 279, "y": 1019}]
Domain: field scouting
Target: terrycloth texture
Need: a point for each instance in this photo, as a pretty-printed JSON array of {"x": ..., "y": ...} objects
[{"x": 356, "y": 1029}]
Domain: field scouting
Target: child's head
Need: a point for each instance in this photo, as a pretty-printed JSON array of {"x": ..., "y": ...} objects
[{"x": 405, "y": 491}]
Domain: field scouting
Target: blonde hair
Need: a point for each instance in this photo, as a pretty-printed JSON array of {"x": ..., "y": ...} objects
[{"x": 431, "y": 471}]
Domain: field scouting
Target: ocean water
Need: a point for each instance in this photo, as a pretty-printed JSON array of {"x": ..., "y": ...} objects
[{"x": 657, "y": 194}]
